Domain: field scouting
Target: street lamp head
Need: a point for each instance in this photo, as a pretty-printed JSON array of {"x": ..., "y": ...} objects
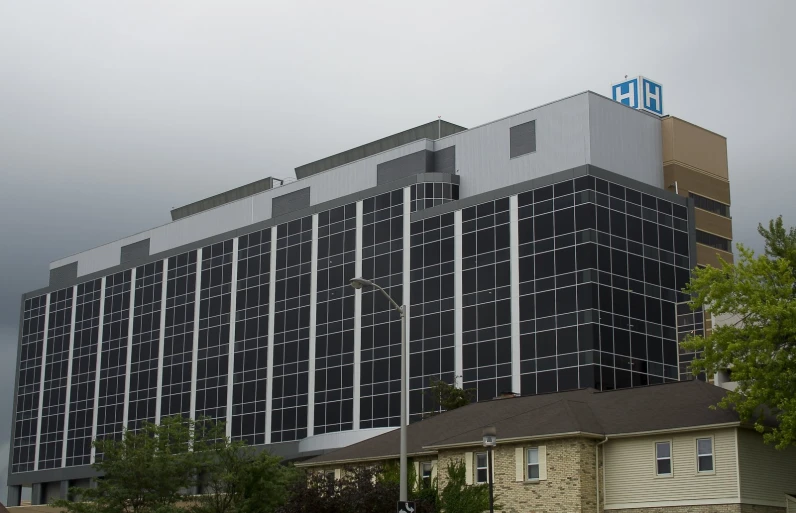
[
  {"x": 489, "y": 435},
  {"x": 358, "y": 283}
]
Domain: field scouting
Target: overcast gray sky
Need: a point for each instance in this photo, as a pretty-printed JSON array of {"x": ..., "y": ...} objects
[{"x": 111, "y": 113}]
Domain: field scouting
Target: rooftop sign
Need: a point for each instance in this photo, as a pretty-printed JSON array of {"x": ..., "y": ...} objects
[{"x": 640, "y": 93}]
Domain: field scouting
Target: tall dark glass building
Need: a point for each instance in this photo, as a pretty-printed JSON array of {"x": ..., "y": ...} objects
[{"x": 541, "y": 252}]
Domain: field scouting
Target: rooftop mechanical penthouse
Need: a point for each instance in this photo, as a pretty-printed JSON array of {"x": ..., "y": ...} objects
[{"x": 541, "y": 252}]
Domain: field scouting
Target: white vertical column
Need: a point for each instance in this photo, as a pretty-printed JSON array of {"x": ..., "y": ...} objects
[
  {"x": 269, "y": 389},
  {"x": 358, "y": 316},
  {"x": 405, "y": 288},
  {"x": 69, "y": 375},
  {"x": 41, "y": 379},
  {"x": 233, "y": 305},
  {"x": 98, "y": 368},
  {"x": 514, "y": 227},
  {"x": 195, "y": 351},
  {"x": 458, "y": 324},
  {"x": 161, "y": 340},
  {"x": 128, "y": 365},
  {"x": 313, "y": 319}
]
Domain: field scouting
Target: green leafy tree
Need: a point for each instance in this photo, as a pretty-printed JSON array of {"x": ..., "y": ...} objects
[
  {"x": 423, "y": 494},
  {"x": 236, "y": 478},
  {"x": 459, "y": 497},
  {"x": 446, "y": 397},
  {"x": 758, "y": 293},
  {"x": 144, "y": 472}
]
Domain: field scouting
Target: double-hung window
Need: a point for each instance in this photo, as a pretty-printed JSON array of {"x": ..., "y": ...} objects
[
  {"x": 425, "y": 474},
  {"x": 663, "y": 458},
  {"x": 532, "y": 463},
  {"x": 704, "y": 448},
  {"x": 481, "y": 468}
]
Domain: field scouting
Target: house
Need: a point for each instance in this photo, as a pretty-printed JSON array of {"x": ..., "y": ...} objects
[{"x": 654, "y": 449}]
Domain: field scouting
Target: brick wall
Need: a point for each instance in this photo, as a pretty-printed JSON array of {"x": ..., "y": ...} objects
[{"x": 570, "y": 485}]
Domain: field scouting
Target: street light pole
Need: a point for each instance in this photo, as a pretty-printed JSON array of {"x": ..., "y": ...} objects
[
  {"x": 489, "y": 436},
  {"x": 358, "y": 283},
  {"x": 404, "y": 477},
  {"x": 491, "y": 485}
]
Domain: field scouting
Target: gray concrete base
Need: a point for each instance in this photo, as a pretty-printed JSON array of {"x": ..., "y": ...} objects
[
  {"x": 37, "y": 494},
  {"x": 14, "y": 496}
]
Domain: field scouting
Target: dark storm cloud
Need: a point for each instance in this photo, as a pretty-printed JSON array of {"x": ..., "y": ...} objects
[{"x": 111, "y": 113}]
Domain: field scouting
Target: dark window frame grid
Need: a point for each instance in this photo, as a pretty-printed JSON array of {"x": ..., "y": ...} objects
[
  {"x": 432, "y": 341},
  {"x": 333, "y": 401},
  {"x": 710, "y": 205},
  {"x": 383, "y": 263},
  {"x": 52, "y": 419},
  {"x": 290, "y": 381},
  {"x": 212, "y": 358},
  {"x": 29, "y": 382},
  {"x": 113, "y": 356},
  {"x": 250, "y": 366},
  {"x": 145, "y": 345},
  {"x": 597, "y": 203},
  {"x": 178, "y": 336},
  {"x": 430, "y": 194},
  {"x": 486, "y": 299},
  {"x": 84, "y": 373}
]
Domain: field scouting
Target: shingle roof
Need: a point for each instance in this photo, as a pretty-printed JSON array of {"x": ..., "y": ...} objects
[{"x": 684, "y": 404}]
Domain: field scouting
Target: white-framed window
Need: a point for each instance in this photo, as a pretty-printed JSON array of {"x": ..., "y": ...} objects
[
  {"x": 481, "y": 467},
  {"x": 425, "y": 474},
  {"x": 704, "y": 449},
  {"x": 532, "y": 463},
  {"x": 663, "y": 458}
]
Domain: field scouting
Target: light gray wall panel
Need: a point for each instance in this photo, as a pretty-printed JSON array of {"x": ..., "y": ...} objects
[
  {"x": 326, "y": 186},
  {"x": 625, "y": 141},
  {"x": 291, "y": 201},
  {"x": 562, "y": 142},
  {"x": 582, "y": 129}
]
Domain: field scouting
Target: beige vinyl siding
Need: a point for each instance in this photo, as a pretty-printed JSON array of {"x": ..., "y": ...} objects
[
  {"x": 766, "y": 473},
  {"x": 630, "y": 469}
]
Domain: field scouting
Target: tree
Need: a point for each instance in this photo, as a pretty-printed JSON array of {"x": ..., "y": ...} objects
[
  {"x": 236, "y": 478},
  {"x": 446, "y": 397},
  {"x": 759, "y": 293},
  {"x": 360, "y": 489},
  {"x": 155, "y": 469},
  {"x": 459, "y": 497},
  {"x": 424, "y": 495},
  {"x": 144, "y": 472}
]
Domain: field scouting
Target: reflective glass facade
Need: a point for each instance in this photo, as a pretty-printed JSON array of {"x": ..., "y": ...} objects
[
  {"x": 84, "y": 367},
  {"x": 51, "y": 429},
  {"x": 568, "y": 285},
  {"x": 249, "y": 393},
  {"x": 29, "y": 382}
]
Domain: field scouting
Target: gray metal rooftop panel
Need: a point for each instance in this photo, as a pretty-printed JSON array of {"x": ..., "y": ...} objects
[
  {"x": 223, "y": 198},
  {"x": 433, "y": 130}
]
